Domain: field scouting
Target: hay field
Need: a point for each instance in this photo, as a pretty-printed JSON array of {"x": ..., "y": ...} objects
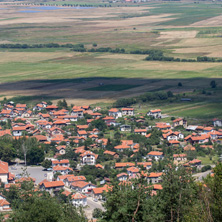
[{"x": 62, "y": 73}]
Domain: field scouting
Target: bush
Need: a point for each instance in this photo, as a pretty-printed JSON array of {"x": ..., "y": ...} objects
[{"x": 206, "y": 168}]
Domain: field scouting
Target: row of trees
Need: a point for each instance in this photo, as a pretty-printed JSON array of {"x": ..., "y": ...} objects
[{"x": 149, "y": 96}]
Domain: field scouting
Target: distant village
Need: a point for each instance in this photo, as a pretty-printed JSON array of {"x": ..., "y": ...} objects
[{"x": 87, "y": 148}]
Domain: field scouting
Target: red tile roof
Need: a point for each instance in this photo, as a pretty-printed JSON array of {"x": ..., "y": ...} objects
[
  {"x": 53, "y": 184},
  {"x": 3, "y": 167}
]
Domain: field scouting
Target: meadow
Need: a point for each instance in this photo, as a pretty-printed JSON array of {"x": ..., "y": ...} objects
[{"x": 181, "y": 30}]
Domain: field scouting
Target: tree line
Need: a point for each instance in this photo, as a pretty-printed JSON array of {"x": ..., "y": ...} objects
[{"x": 153, "y": 54}]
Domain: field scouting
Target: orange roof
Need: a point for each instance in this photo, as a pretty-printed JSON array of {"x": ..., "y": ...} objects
[
  {"x": 60, "y": 168},
  {"x": 208, "y": 128},
  {"x": 126, "y": 109},
  {"x": 144, "y": 164},
  {"x": 195, "y": 161},
  {"x": 3, "y": 167},
  {"x": 78, "y": 196},
  {"x": 109, "y": 152},
  {"x": 174, "y": 142},
  {"x": 179, "y": 155},
  {"x": 157, "y": 187},
  {"x": 60, "y": 161},
  {"x": 3, "y": 202},
  {"x": 140, "y": 130},
  {"x": 99, "y": 166},
  {"x": 127, "y": 164},
  {"x": 100, "y": 190},
  {"x": 108, "y": 118},
  {"x": 122, "y": 174},
  {"x": 19, "y": 128},
  {"x": 66, "y": 193},
  {"x": 40, "y": 137},
  {"x": 5, "y": 132},
  {"x": 114, "y": 110},
  {"x": 51, "y": 107},
  {"x": 53, "y": 184},
  {"x": 89, "y": 153},
  {"x": 82, "y": 132},
  {"x": 121, "y": 147},
  {"x": 82, "y": 126},
  {"x": 80, "y": 184},
  {"x": 21, "y": 105},
  {"x": 154, "y": 174},
  {"x": 4, "y": 111},
  {"x": 189, "y": 147},
  {"x": 133, "y": 169},
  {"x": 155, "y": 153},
  {"x": 155, "y": 110}
]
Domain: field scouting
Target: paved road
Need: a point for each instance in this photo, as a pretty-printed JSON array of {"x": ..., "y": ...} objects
[
  {"x": 36, "y": 172},
  {"x": 91, "y": 206},
  {"x": 200, "y": 176}
]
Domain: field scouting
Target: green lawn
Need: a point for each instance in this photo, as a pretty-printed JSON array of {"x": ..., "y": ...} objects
[{"x": 206, "y": 160}]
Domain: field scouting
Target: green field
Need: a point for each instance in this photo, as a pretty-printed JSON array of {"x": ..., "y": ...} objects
[{"x": 61, "y": 73}]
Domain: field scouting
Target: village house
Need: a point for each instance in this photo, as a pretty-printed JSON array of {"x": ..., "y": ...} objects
[
  {"x": 122, "y": 176},
  {"x": 52, "y": 187},
  {"x": 61, "y": 149},
  {"x": 180, "y": 157},
  {"x": 127, "y": 111},
  {"x": 18, "y": 131},
  {"x": 156, "y": 155},
  {"x": 77, "y": 112},
  {"x": 217, "y": 122},
  {"x": 110, "y": 120},
  {"x": 122, "y": 147},
  {"x": 4, "y": 172},
  {"x": 79, "y": 199},
  {"x": 140, "y": 131},
  {"x": 125, "y": 128},
  {"x": 180, "y": 122},
  {"x": 82, "y": 186},
  {"x": 64, "y": 163},
  {"x": 133, "y": 172},
  {"x": 154, "y": 178},
  {"x": 82, "y": 133},
  {"x": 4, "y": 205},
  {"x": 115, "y": 113},
  {"x": 113, "y": 154},
  {"x": 98, "y": 192},
  {"x": 156, "y": 114},
  {"x": 88, "y": 158},
  {"x": 62, "y": 170},
  {"x": 146, "y": 165},
  {"x": 123, "y": 165},
  {"x": 70, "y": 179}
]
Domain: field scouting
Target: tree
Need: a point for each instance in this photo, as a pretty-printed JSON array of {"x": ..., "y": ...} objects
[
  {"x": 178, "y": 194},
  {"x": 97, "y": 213},
  {"x": 47, "y": 163},
  {"x": 216, "y": 187},
  {"x": 7, "y": 152},
  {"x": 45, "y": 209},
  {"x": 180, "y": 84},
  {"x": 35, "y": 155},
  {"x": 129, "y": 201},
  {"x": 213, "y": 84},
  {"x": 62, "y": 104}
]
